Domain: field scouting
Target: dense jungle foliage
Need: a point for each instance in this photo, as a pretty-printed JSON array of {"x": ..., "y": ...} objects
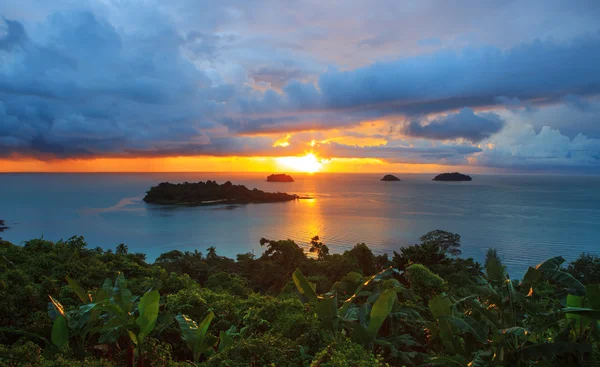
[{"x": 66, "y": 304}]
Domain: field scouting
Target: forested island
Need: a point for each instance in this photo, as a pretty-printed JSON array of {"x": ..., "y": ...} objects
[
  {"x": 211, "y": 193},
  {"x": 454, "y": 176},
  {"x": 390, "y": 178},
  {"x": 67, "y": 304},
  {"x": 282, "y": 177}
]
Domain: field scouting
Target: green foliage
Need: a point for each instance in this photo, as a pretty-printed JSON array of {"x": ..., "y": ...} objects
[
  {"x": 429, "y": 307},
  {"x": 318, "y": 247},
  {"x": 586, "y": 269},
  {"x": 424, "y": 282},
  {"x": 226, "y": 282},
  {"x": 344, "y": 352},
  {"x": 494, "y": 269},
  {"x": 364, "y": 257},
  {"x": 446, "y": 241},
  {"x": 196, "y": 335}
]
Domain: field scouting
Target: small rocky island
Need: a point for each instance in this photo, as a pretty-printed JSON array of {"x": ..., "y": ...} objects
[
  {"x": 390, "y": 178},
  {"x": 454, "y": 176},
  {"x": 211, "y": 193},
  {"x": 280, "y": 178}
]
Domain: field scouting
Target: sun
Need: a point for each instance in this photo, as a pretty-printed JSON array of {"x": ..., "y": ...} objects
[{"x": 308, "y": 163}]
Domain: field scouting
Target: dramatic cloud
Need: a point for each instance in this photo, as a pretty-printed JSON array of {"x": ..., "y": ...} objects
[
  {"x": 520, "y": 147},
  {"x": 194, "y": 77},
  {"x": 464, "y": 124}
]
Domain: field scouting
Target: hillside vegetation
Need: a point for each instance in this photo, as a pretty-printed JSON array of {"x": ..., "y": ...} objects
[{"x": 66, "y": 304}]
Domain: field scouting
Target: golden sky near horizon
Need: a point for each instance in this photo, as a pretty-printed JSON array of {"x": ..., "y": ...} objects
[{"x": 217, "y": 164}]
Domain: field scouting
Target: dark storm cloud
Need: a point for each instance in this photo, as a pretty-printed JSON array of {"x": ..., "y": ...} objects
[
  {"x": 464, "y": 124},
  {"x": 541, "y": 69},
  {"x": 89, "y": 90},
  {"x": 191, "y": 77},
  {"x": 522, "y": 77}
]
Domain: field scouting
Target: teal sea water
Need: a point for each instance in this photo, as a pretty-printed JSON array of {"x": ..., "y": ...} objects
[{"x": 528, "y": 218}]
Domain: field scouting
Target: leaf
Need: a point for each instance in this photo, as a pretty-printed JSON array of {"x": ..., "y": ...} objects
[
  {"x": 457, "y": 360},
  {"x": 551, "y": 264},
  {"x": 226, "y": 339},
  {"x": 327, "y": 312},
  {"x": 188, "y": 330},
  {"x": 532, "y": 276},
  {"x": 487, "y": 314},
  {"x": 122, "y": 296},
  {"x": 567, "y": 280},
  {"x": 546, "y": 350},
  {"x": 380, "y": 311},
  {"x": 440, "y": 307},
  {"x": 58, "y": 307},
  {"x": 593, "y": 295},
  {"x": 304, "y": 286},
  {"x": 104, "y": 292},
  {"x": 514, "y": 331},
  {"x": 464, "y": 327},
  {"x": 148, "y": 308},
  {"x": 79, "y": 291},
  {"x": 580, "y": 322},
  {"x": 203, "y": 341},
  {"x": 132, "y": 336},
  {"x": 589, "y": 312},
  {"x": 60, "y": 332},
  {"x": 480, "y": 359},
  {"x": 360, "y": 335}
]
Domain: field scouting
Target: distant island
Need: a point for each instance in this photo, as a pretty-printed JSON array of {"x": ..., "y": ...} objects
[
  {"x": 280, "y": 178},
  {"x": 454, "y": 176},
  {"x": 390, "y": 178},
  {"x": 211, "y": 193}
]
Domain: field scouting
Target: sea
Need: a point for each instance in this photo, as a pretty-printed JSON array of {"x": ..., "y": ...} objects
[{"x": 527, "y": 218}]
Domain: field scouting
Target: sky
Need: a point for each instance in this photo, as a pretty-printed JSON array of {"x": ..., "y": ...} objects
[{"x": 305, "y": 85}]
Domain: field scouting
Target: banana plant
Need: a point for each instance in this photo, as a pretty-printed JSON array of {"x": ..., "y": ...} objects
[
  {"x": 366, "y": 320},
  {"x": 79, "y": 324},
  {"x": 124, "y": 315},
  {"x": 197, "y": 338},
  {"x": 549, "y": 270},
  {"x": 326, "y": 306}
]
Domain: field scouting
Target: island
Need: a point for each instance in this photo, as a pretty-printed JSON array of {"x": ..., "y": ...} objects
[
  {"x": 211, "y": 193},
  {"x": 280, "y": 178},
  {"x": 390, "y": 178},
  {"x": 454, "y": 176}
]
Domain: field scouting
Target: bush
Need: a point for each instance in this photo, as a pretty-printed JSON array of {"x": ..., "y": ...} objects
[
  {"x": 226, "y": 282},
  {"x": 424, "y": 282},
  {"x": 343, "y": 353}
]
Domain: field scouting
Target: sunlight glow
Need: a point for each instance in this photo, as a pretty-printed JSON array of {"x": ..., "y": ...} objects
[{"x": 308, "y": 163}]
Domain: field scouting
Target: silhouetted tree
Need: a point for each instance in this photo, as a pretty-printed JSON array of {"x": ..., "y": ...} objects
[
  {"x": 364, "y": 257},
  {"x": 494, "y": 269},
  {"x": 122, "y": 249},
  {"x": 447, "y": 241},
  {"x": 318, "y": 247},
  {"x": 586, "y": 268},
  {"x": 3, "y": 227},
  {"x": 211, "y": 253}
]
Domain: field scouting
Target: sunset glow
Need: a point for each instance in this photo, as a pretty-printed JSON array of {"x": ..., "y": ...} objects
[{"x": 308, "y": 163}]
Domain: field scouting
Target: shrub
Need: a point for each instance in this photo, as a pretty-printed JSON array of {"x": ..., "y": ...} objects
[
  {"x": 344, "y": 353},
  {"x": 424, "y": 282}
]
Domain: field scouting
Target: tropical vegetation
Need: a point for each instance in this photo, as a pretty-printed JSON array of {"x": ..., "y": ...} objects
[{"x": 66, "y": 304}]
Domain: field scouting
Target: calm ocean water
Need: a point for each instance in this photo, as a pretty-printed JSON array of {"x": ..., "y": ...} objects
[{"x": 528, "y": 218}]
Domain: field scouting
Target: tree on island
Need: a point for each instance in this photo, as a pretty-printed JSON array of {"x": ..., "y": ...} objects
[{"x": 3, "y": 227}]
